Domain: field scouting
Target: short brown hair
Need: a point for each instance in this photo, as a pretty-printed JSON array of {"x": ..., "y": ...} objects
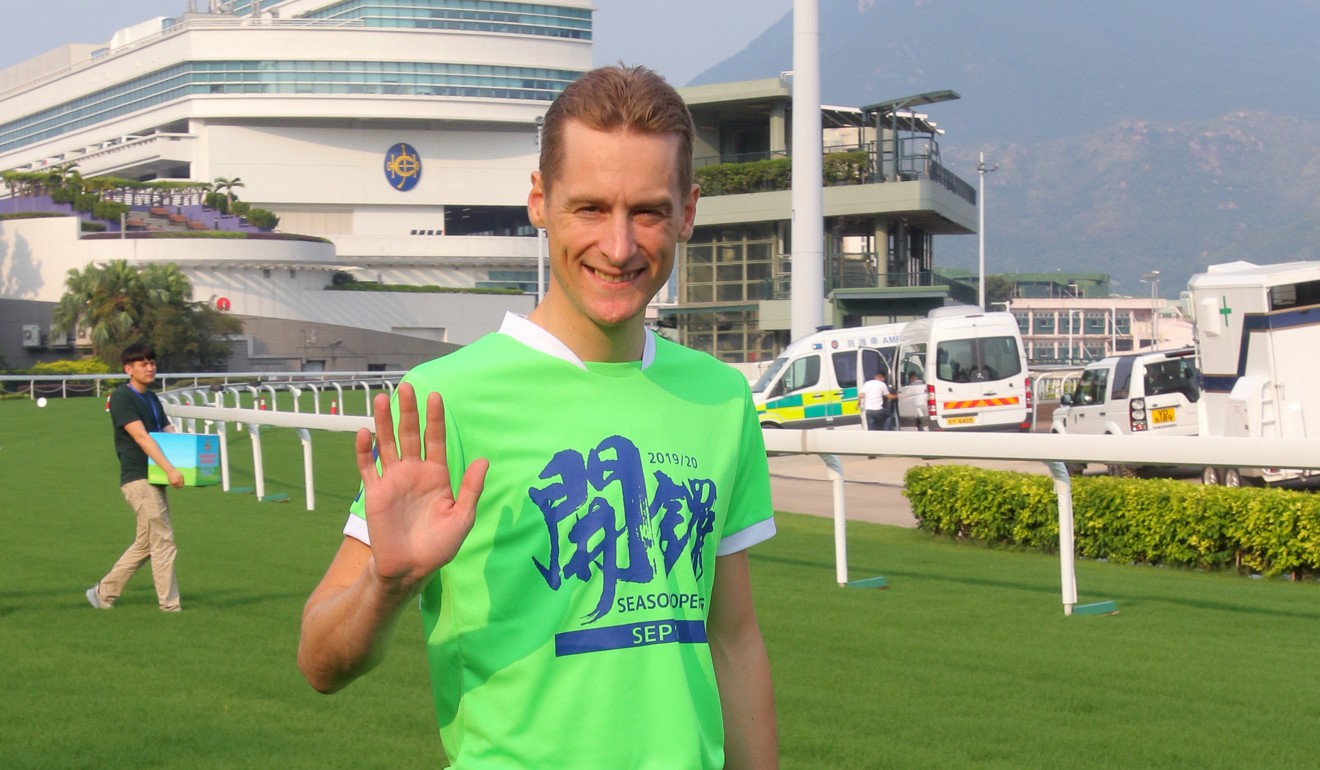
[{"x": 618, "y": 98}]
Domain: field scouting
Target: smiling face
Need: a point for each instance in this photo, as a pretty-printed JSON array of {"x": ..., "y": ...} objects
[{"x": 613, "y": 216}]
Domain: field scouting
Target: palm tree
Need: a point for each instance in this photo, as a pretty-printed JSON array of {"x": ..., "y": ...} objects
[
  {"x": 120, "y": 304},
  {"x": 108, "y": 302},
  {"x": 227, "y": 187}
]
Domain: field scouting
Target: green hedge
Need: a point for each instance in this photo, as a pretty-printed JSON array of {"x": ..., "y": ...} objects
[
  {"x": 837, "y": 168},
  {"x": 411, "y": 289},
  {"x": 68, "y": 367},
  {"x": 1147, "y": 521}
]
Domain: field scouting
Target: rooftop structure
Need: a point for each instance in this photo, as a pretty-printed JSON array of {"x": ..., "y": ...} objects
[{"x": 886, "y": 197}]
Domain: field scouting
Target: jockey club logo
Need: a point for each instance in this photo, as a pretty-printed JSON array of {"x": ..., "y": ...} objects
[{"x": 403, "y": 167}]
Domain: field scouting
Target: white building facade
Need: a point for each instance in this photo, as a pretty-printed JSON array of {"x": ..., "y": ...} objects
[{"x": 403, "y": 132}]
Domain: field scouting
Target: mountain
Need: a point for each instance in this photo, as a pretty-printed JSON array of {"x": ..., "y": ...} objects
[{"x": 1128, "y": 135}]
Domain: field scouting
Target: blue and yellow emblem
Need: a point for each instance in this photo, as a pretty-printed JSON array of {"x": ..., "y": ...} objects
[{"x": 403, "y": 167}]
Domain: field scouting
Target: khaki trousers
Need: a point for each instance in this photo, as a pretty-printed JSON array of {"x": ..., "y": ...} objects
[{"x": 154, "y": 540}]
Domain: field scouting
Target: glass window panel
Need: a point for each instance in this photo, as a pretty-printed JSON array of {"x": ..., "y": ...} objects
[
  {"x": 728, "y": 292},
  {"x": 729, "y": 273},
  {"x": 704, "y": 293}
]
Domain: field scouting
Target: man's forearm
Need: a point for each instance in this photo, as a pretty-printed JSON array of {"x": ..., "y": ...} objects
[
  {"x": 751, "y": 737},
  {"x": 347, "y": 628}
]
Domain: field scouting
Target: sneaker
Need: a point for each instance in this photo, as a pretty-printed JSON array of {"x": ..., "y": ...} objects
[
  {"x": 94, "y": 598},
  {"x": 171, "y": 609}
]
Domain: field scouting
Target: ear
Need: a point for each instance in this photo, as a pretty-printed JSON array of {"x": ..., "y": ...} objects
[
  {"x": 536, "y": 202},
  {"x": 689, "y": 213}
]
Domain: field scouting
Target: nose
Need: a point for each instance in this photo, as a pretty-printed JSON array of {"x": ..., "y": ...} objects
[{"x": 620, "y": 242}]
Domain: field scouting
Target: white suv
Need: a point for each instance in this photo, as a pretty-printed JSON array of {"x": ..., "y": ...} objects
[{"x": 1152, "y": 393}]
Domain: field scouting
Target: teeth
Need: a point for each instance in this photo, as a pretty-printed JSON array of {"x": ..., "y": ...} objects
[{"x": 607, "y": 278}]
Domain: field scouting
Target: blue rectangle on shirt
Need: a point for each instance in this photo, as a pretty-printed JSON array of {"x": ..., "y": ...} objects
[{"x": 630, "y": 635}]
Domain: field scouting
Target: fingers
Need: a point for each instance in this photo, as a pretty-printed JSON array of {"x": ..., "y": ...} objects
[
  {"x": 470, "y": 489},
  {"x": 410, "y": 432},
  {"x": 435, "y": 432},
  {"x": 366, "y": 456},
  {"x": 384, "y": 429}
]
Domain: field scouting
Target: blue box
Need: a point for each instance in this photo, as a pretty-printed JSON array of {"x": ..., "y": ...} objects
[{"x": 195, "y": 455}]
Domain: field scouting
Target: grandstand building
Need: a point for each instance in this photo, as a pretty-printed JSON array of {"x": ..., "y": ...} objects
[{"x": 403, "y": 133}]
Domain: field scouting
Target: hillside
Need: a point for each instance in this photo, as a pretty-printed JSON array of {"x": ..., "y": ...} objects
[{"x": 1128, "y": 135}]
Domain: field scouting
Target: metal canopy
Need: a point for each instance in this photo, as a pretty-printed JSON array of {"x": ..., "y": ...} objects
[{"x": 915, "y": 100}]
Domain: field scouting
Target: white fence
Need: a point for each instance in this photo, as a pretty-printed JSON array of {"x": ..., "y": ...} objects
[
  {"x": 219, "y": 406},
  {"x": 1053, "y": 450}
]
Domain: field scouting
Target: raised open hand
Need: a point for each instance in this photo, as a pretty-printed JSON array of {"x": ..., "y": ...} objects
[{"x": 415, "y": 522}]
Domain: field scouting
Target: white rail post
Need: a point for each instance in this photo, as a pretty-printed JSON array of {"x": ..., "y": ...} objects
[
  {"x": 835, "y": 468},
  {"x": 1067, "y": 547},
  {"x": 306, "y": 438},
  {"x": 258, "y": 470},
  {"x": 222, "y": 433},
  {"x": 274, "y": 407},
  {"x": 316, "y": 398}
]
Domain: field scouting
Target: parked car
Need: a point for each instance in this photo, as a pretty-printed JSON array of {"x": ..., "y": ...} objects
[{"x": 1155, "y": 393}]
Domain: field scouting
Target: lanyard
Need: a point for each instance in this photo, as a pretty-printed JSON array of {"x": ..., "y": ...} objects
[{"x": 150, "y": 404}]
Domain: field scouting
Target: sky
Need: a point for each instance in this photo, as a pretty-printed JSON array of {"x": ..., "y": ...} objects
[{"x": 677, "y": 38}]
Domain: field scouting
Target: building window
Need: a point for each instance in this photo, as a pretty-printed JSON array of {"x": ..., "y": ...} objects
[{"x": 1044, "y": 323}]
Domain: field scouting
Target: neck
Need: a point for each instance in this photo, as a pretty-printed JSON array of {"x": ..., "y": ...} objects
[
  {"x": 140, "y": 387},
  {"x": 590, "y": 342}
]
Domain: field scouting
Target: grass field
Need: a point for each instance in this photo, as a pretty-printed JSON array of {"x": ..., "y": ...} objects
[{"x": 967, "y": 661}]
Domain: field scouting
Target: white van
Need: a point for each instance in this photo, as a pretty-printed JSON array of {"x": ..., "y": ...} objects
[
  {"x": 961, "y": 368},
  {"x": 813, "y": 383}
]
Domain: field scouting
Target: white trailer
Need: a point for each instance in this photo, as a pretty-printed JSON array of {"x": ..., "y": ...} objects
[{"x": 1258, "y": 336}]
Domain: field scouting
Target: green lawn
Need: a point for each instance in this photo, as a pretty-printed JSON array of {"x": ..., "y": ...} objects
[{"x": 967, "y": 661}]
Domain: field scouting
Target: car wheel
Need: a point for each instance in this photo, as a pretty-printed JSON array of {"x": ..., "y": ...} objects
[
  {"x": 1210, "y": 476},
  {"x": 1075, "y": 469},
  {"x": 1232, "y": 477},
  {"x": 1123, "y": 471}
]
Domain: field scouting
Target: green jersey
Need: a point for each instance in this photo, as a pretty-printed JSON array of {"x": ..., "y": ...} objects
[{"x": 570, "y": 629}]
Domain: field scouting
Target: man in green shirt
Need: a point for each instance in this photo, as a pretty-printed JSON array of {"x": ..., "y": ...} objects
[
  {"x": 586, "y": 592},
  {"x": 136, "y": 413}
]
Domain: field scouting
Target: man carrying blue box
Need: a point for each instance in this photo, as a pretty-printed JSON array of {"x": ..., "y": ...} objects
[{"x": 136, "y": 412}]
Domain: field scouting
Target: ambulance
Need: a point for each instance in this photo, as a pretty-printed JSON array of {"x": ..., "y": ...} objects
[
  {"x": 1257, "y": 331},
  {"x": 961, "y": 368},
  {"x": 813, "y": 383}
]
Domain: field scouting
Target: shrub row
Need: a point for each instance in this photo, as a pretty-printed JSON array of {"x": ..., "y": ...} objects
[
  {"x": 1148, "y": 521},
  {"x": 411, "y": 289},
  {"x": 837, "y": 168}
]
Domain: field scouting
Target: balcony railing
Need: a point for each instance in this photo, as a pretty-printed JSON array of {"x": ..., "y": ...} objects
[{"x": 841, "y": 165}]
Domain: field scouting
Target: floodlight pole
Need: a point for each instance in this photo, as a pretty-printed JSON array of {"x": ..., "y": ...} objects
[
  {"x": 981, "y": 171},
  {"x": 807, "y": 306}
]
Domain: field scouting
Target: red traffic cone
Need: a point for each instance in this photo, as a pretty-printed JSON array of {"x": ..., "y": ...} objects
[
  {"x": 107, "y": 402},
  {"x": 262, "y": 404},
  {"x": 334, "y": 407}
]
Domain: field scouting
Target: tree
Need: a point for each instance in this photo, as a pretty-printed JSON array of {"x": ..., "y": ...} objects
[
  {"x": 998, "y": 288},
  {"x": 227, "y": 186},
  {"x": 120, "y": 304}
]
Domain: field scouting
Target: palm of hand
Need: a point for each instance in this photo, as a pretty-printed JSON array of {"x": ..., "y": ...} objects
[{"x": 415, "y": 522}]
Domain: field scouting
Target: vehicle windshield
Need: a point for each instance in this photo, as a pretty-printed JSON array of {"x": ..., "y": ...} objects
[
  {"x": 769, "y": 376},
  {"x": 977, "y": 359}
]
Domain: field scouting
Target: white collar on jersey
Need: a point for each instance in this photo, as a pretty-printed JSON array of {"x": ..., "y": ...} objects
[{"x": 520, "y": 328}]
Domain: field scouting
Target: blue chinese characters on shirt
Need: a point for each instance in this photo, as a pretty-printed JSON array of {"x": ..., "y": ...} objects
[{"x": 604, "y": 522}]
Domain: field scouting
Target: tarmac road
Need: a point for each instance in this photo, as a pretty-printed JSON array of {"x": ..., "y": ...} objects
[{"x": 874, "y": 488}]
